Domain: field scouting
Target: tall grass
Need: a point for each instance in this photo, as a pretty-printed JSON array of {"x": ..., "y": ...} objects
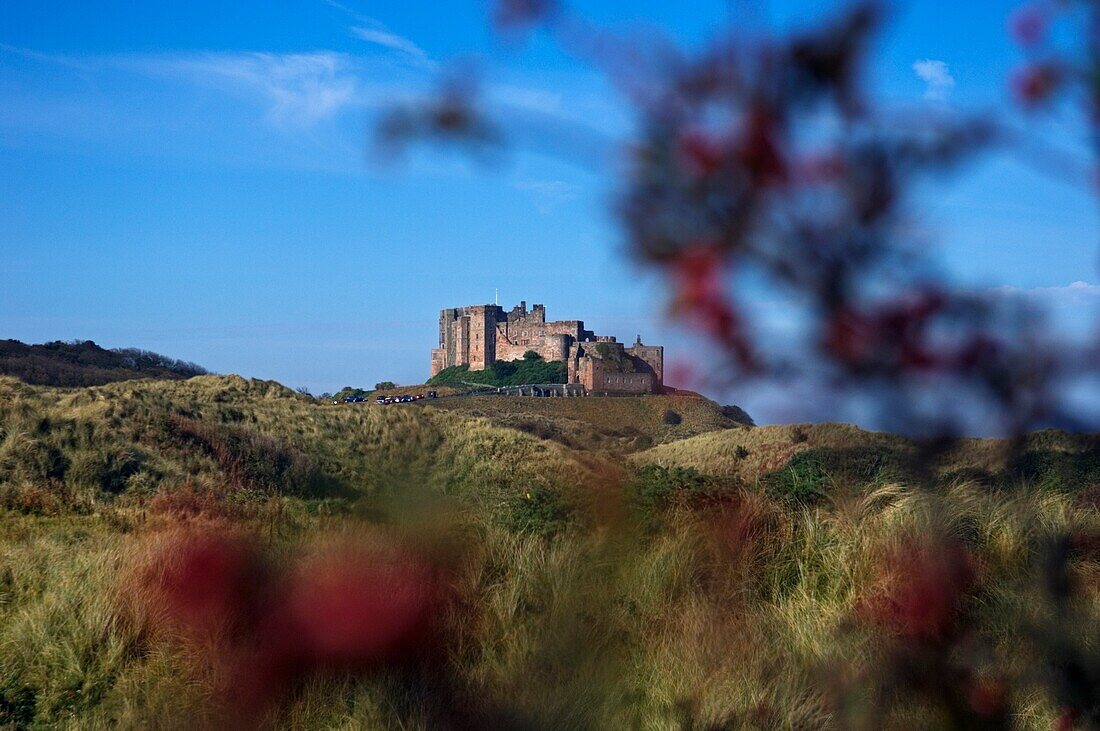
[{"x": 657, "y": 599}]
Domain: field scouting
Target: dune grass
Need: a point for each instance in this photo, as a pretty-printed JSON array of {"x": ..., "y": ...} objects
[
  {"x": 616, "y": 424},
  {"x": 592, "y": 594},
  {"x": 588, "y": 629}
]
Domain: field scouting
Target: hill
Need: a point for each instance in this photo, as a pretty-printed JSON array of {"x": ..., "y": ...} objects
[
  {"x": 217, "y": 553},
  {"x": 504, "y": 373},
  {"x": 84, "y": 363},
  {"x": 126, "y": 439},
  {"x": 853, "y": 456},
  {"x": 618, "y": 424}
]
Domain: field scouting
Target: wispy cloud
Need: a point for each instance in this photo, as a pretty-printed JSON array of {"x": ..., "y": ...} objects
[
  {"x": 375, "y": 32},
  {"x": 380, "y": 36},
  {"x": 548, "y": 194},
  {"x": 46, "y": 58},
  {"x": 937, "y": 78},
  {"x": 298, "y": 89},
  {"x": 1074, "y": 294}
]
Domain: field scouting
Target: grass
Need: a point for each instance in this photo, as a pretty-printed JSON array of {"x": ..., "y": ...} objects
[
  {"x": 621, "y": 425},
  {"x": 503, "y": 373},
  {"x": 678, "y": 587}
]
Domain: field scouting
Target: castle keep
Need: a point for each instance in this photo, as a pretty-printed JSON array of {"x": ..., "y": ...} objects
[{"x": 479, "y": 335}]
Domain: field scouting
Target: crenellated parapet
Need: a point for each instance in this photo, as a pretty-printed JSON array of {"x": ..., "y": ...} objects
[{"x": 479, "y": 335}]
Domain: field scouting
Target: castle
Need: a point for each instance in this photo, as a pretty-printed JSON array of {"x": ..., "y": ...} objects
[{"x": 479, "y": 335}]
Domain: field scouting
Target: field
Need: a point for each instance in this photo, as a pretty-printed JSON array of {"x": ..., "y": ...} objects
[{"x": 221, "y": 552}]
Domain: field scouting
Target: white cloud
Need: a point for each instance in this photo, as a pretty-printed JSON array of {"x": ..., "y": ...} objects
[
  {"x": 548, "y": 193},
  {"x": 1074, "y": 294},
  {"x": 299, "y": 89},
  {"x": 380, "y": 36},
  {"x": 936, "y": 76}
]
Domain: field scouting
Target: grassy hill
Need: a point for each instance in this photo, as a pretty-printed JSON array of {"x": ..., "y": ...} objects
[
  {"x": 86, "y": 364},
  {"x": 219, "y": 552},
  {"x": 622, "y": 424},
  {"x": 504, "y": 373},
  {"x": 749, "y": 454},
  {"x": 134, "y": 438}
]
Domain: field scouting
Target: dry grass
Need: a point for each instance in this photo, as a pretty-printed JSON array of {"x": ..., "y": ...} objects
[
  {"x": 619, "y": 424},
  {"x": 748, "y": 453},
  {"x": 766, "y": 448},
  {"x": 740, "y": 612}
]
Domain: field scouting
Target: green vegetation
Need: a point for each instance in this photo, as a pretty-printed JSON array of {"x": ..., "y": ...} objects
[
  {"x": 351, "y": 392},
  {"x": 653, "y": 491},
  {"x": 504, "y": 373},
  {"x": 627, "y": 424},
  {"x": 86, "y": 364},
  {"x": 726, "y": 578}
]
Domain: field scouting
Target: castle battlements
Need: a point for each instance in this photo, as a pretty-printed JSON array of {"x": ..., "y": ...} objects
[{"x": 479, "y": 335}]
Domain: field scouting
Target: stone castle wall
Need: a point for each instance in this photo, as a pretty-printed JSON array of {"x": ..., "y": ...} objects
[{"x": 479, "y": 335}]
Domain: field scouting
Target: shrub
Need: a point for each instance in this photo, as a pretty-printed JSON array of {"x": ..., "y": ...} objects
[
  {"x": 802, "y": 482},
  {"x": 1055, "y": 470},
  {"x": 808, "y": 476},
  {"x": 254, "y": 461},
  {"x": 539, "y": 510},
  {"x": 736, "y": 413},
  {"x": 671, "y": 417},
  {"x": 104, "y": 468},
  {"x": 351, "y": 392},
  {"x": 30, "y": 500},
  {"x": 382, "y": 386},
  {"x": 654, "y": 489},
  {"x": 504, "y": 373},
  {"x": 190, "y": 500},
  {"x": 531, "y": 355},
  {"x": 18, "y": 705},
  {"x": 33, "y": 459},
  {"x": 741, "y": 452}
]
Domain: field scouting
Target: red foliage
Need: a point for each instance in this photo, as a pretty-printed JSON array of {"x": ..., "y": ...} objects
[
  {"x": 264, "y": 629},
  {"x": 700, "y": 299},
  {"x": 700, "y": 154},
  {"x": 208, "y": 584},
  {"x": 1034, "y": 85},
  {"x": 891, "y": 336},
  {"x": 926, "y": 584},
  {"x": 760, "y": 152},
  {"x": 1028, "y": 25},
  {"x": 1067, "y": 721},
  {"x": 360, "y": 612},
  {"x": 987, "y": 697}
]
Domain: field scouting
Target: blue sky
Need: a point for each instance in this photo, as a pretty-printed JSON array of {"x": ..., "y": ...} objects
[{"x": 192, "y": 178}]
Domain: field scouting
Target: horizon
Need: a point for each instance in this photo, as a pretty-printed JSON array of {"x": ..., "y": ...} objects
[{"x": 192, "y": 181}]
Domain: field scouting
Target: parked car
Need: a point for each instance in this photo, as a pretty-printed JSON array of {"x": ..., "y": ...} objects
[
  {"x": 380, "y": 400},
  {"x": 433, "y": 394}
]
